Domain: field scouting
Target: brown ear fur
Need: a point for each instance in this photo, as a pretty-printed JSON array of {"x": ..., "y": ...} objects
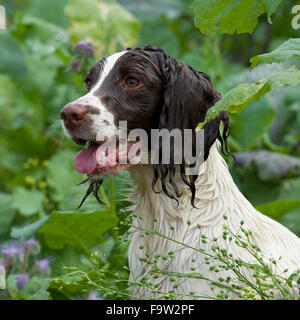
[{"x": 187, "y": 95}]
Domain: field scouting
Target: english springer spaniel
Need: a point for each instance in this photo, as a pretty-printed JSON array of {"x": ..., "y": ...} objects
[{"x": 149, "y": 90}]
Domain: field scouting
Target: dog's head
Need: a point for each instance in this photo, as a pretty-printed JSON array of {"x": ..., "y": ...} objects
[{"x": 147, "y": 89}]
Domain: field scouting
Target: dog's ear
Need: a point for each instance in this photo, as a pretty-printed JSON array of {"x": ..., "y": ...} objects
[
  {"x": 187, "y": 95},
  {"x": 212, "y": 132}
]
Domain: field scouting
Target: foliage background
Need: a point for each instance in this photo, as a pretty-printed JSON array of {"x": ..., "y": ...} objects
[{"x": 37, "y": 178}]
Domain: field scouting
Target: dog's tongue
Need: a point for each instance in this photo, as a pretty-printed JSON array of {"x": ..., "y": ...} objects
[
  {"x": 96, "y": 157},
  {"x": 86, "y": 161}
]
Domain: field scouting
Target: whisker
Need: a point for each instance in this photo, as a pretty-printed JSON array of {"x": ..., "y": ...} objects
[
  {"x": 96, "y": 188},
  {"x": 82, "y": 182},
  {"x": 88, "y": 192},
  {"x": 93, "y": 188}
]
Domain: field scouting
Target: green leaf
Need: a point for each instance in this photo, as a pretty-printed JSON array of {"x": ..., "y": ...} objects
[
  {"x": 36, "y": 289},
  {"x": 271, "y": 6},
  {"x": 12, "y": 59},
  {"x": 81, "y": 230},
  {"x": 257, "y": 191},
  {"x": 7, "y": 212},
  {"x": 62, "y": 176},
  {"x": 291, "y": 189},
  {"x": 237, "y": 99},
  {"x": 27, "y": 202},
  {"x": 228, "y": 16},
  {"x": 277, "y": 209},
  {"x": 74, "y": 196},
  {"x": 292, "y": 221},
  {"x": 287, "y": 50},
  {"x": 27, "y": 230},
  {"x": 64, "y": 258},
  {"x": 251, "y": 123}
]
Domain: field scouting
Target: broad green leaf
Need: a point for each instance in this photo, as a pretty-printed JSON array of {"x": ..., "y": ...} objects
[
  {"x": 27, "y": 230},
  {"x": 289, "y": 49},
  {"x": 27, "y": 202},
  {"x": 65, "y": 258},
  {"x": 81, "y": 230},
  {"x": 7, "y": 212},
  {"x": 292, "y": 221},
  {"x": 62, "y": 176},
  {"x": 74, "y": 196},
  {"x": 237, "y": 99},
  {"x": 37, "y": 145},
  {"x": 228, "y": 16},
  {"x": 291, "y": 189},
  {"x": 277, "y": 209},
  {"x": 257, "y": 191},
  {"x": 36, "y": 289},
  {"x": 251, "y": 123},
  {"x": 107, "y": 25}
]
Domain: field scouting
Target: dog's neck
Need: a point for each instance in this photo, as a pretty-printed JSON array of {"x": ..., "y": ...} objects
[
  {"x": 214, "y": 182},
  {"x": 216, "y": 194}
]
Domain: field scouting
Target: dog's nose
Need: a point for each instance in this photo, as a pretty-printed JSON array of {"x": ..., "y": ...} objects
[{"x": 73, "y": 114}]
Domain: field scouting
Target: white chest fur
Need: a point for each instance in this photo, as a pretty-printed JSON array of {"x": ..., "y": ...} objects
[{"x": 217, "y": 196}]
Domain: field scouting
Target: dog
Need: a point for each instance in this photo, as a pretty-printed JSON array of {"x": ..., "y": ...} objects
[{"x": 173, "y": 213}]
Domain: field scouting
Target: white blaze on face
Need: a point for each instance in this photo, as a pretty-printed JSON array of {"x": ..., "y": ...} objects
[
  {"x": 108, "y": 66},
  {"x": 100, "y": 127}
]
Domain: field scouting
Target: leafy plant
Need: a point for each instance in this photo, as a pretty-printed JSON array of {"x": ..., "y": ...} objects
[
  {"x": 227, "y": 16},
  {"x": 287, "y": 50},
  {"x": 46, "y": 52},
  {"x": 239, "y": 98}
]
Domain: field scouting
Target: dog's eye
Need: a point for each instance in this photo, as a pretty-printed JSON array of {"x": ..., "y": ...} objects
[
  {"x": 88, "y": 85},
  {"x": 132, "y": 82}
]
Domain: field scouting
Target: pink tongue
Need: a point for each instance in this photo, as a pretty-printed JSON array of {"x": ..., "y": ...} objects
[{"x": 85, "y": 161}]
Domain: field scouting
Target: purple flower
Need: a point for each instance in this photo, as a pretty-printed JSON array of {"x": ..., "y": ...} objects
[
  {"x": 84, "y": 48},
  {"x": 93, "y": 296},
  {"x": 13, "y": 251},
  {"x": 43, "y": 265},
  {"x": 21, "y": 280},
  {"x": 32, "y": 245}
]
